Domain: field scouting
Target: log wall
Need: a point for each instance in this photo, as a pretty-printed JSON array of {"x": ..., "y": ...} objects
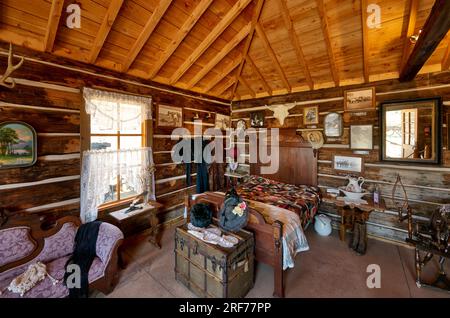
[
  {"x": 427, "y": 186},
  {"x": 49, "y": 98}
]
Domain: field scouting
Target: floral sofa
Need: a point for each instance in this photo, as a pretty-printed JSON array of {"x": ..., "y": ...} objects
[{"x": 21, "y": 246}]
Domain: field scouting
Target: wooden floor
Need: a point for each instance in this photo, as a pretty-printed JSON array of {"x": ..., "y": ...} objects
[{"x": 329, "y": 269}]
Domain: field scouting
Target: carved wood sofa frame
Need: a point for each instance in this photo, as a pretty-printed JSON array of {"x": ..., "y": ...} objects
[{"x": 36, "y": 235}]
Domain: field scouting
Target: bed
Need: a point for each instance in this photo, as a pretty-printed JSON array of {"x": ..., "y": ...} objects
[{"x": 298, "y": 170}]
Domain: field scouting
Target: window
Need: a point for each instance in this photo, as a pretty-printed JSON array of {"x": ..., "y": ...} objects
[{"x": 117, "y": 123}]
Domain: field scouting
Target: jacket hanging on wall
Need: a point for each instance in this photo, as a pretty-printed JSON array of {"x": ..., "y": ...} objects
[
  {"x": 201, "y": 165},
  {"x": 83, "y": 256}
]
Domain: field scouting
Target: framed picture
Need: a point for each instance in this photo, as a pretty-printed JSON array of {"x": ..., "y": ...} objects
[
  {"x": 169, "y": 116},
  {"x": 349, "y": 164},
  {"x": 17, "y": 145},
  {"x": 223, "y": 121},
  {"x": 359, "y": 99},
  {"x": 257, "y": 119},
  {"x": 361, "y": 137},
  {"x": 311, "y": 115},
  {"x": 333, "y": 125}
]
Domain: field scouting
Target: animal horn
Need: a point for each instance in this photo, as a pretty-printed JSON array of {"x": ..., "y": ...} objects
[{"x": 10, "y": 69}]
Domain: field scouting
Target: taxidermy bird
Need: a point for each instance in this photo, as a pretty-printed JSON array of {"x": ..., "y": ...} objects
[{"x": 280, "y": 112}]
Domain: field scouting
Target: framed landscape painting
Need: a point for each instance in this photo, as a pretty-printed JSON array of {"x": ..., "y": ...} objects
[{"x": 17, "y": 145}]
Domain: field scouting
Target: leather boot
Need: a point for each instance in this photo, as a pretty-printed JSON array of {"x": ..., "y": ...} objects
[
  {"x": 355, "y": 237},
  {"x": 362, "y": 245}
]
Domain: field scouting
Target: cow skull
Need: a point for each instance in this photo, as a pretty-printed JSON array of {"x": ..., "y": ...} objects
[
  {"x": 9, "y": 70},
  {"x": 281, "y": 111}
]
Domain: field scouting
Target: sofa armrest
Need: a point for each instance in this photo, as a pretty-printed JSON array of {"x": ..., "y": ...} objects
[{"x": 108, "y": 235}]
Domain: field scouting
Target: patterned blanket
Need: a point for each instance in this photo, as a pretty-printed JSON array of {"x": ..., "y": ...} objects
[{"x": 301, "y": 199}]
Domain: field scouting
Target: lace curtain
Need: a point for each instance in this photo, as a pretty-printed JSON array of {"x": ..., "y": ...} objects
[
  {"x": 100, "y": 169},
  {"x": 111, "y": 112}
]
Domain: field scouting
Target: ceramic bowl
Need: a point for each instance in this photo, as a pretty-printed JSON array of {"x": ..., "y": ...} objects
[{"x": 354, "y": 195}]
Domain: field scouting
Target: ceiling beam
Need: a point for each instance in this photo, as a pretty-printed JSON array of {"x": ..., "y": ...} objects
[
  {"x": 446, "y": 59},
  {"x": 143, "y": 37},
  {"x": 295, "y": 41},
  {"x": 365, "y": 41},
  {"x": 179, "y": 37},
  {"x": 105, "y": 27},
  {"x": 239, "y": 6},
  {"x": 326, "y": 35},
  {"x": 258, "y": 73},
  {"x": 247, "y": 86},
  {"x": 231, "y": 67},
  {"x": 52, "y": 25},
  {"x": 219, "y": 57},
  {"x": 434, "y": 30},
  {"x": 255, "y": 19},
  {"x": 407, "y": 45},
  {"x": 225, "y": 86},
  {"x": 272, "y": 55}
]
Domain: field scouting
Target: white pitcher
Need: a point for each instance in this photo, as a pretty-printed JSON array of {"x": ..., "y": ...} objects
[{"x": 354, "y": 184}]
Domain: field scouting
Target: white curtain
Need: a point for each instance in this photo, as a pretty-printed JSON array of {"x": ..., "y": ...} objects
[
  {"x": 111, "y": 112},
  {"x": 100, "y": 170}
]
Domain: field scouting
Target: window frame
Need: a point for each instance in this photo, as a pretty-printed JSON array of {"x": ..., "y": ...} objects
[{"x": 85, "y": 144}]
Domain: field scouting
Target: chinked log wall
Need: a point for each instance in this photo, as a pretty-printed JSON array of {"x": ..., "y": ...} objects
[
  {"x": 49, "y": 98},
  {"x": 427, "y": 186}
]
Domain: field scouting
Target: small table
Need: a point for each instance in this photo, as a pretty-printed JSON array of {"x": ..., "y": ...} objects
[
  {"x": 232, "y": 179},
  {"x": 354, "y": 216},
  {"x": 151, "y": 207}
]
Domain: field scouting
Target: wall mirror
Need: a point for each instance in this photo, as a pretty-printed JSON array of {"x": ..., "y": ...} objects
[{"x": 411, "y": 131}]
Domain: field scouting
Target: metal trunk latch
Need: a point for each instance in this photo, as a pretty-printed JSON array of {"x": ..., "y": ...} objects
[{"x": 195, "y": 249}]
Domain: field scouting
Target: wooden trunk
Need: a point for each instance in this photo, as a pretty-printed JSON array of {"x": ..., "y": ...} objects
[{"x": 212, "y": 271}]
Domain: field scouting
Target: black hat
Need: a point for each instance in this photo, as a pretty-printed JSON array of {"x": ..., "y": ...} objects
[
  {"x": 234, "y": 212},
  {"x": 201, "y": 215}
]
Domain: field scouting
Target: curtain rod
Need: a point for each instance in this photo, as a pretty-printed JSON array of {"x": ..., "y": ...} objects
[{"x": 117, "y": 79}]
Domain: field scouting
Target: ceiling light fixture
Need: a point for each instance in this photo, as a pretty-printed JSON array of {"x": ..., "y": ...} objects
[{"x": 413, "y": 38}]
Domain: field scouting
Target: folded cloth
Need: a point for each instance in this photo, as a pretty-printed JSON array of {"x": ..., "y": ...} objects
[{"x": 212, "y": 235}]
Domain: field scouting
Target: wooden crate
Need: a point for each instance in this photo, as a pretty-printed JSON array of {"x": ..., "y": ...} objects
[{"x": 212, "y": 271}]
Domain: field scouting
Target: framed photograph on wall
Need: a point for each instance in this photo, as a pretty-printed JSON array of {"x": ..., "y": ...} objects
[
  {"x": 348, "y": 164},
  {"x": 18, "y": 145},
  {"x": 311, "y": 115},
  {"x": 223, "y": 121},
  {"x": 333, "y": 125},
  {"x": 169, "y": 116},
  {"x": 361, "y": 137},
  {"x": 359, "y": 99},
  {"x": 257, "y": 119}
]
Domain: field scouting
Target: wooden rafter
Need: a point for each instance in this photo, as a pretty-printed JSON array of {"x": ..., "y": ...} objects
[
  {"x": 52, "y": 25},
  {"x": 226, "y": 85},
  {"x": 219, "y": 57},
  {"x": 295, "y": 41},
  {"x": 257, "y": 72},
  {"x": 255, "y": 19},
  {"x": 446, "y": 60},
  {"x": 232, "y": 66},
  {"x": 247, "y": 86},
  {"x": 326, "y": 35},
  {"x": 209, "y": 40},
  {"x": 179, "y": 37},
  {"x": 407, "y": 45},
  {"x": 149, "y": 27},
  {"x": 434, "y": 30},
  {"x": 105, "y": 27},
  {"x": 365, "y": 40},
  {"x": 271, "y": 53}
]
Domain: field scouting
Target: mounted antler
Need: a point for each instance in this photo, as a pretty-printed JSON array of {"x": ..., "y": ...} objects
[{"x": 10, "y": 69}]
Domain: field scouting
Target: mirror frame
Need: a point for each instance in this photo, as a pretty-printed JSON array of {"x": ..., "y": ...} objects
[{"x": 438, "y": 130}]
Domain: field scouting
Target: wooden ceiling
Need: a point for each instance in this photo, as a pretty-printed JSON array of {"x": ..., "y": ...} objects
[{"x": 232, "y": 49}]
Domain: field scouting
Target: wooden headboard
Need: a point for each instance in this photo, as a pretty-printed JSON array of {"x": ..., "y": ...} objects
[{"x": 298, "y": 162}]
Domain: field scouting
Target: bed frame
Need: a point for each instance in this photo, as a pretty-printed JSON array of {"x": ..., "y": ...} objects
[{"x": 298, "y": 165}]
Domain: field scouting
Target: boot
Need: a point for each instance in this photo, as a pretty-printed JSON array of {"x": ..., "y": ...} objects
[
  {"x": 362, "y": 245},
  {"x": 355, "y": 237}
]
